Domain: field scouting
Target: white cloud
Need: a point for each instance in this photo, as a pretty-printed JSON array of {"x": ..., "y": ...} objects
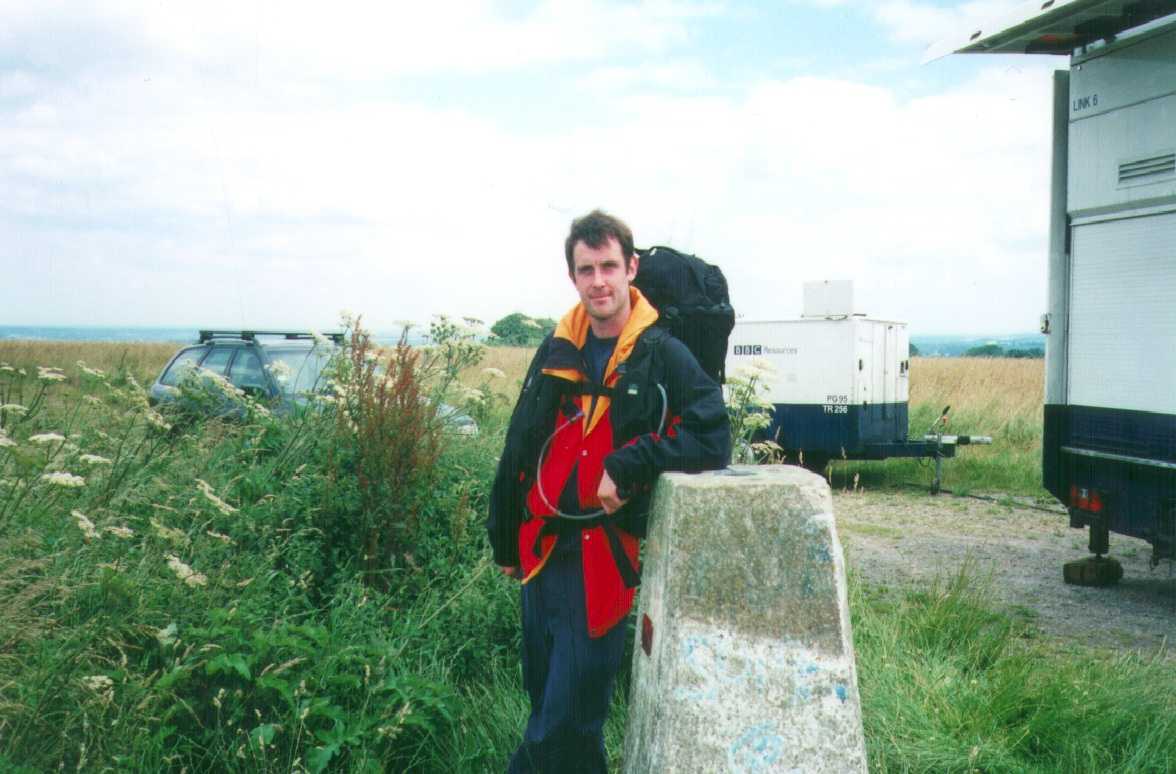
[{"x": 205, "y": 189}]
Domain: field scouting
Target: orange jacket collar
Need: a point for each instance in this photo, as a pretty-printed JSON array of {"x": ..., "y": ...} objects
[{"x": 575, "y": 325}]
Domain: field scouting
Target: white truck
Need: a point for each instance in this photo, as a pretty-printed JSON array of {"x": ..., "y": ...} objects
[{"x": 1109, "y": 448}]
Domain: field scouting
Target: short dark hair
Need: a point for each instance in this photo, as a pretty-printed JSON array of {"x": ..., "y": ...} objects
[{"x": 594, "y": 230}]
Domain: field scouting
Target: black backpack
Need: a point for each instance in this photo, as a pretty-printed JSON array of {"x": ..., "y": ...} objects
[{"x": 691, "y": 298}]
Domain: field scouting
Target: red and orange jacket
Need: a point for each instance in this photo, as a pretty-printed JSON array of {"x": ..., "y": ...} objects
[{"x": 656, "y": 410}]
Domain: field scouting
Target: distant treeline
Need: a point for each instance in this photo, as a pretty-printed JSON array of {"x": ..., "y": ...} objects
[
  {"x": 988, "y": 350},
  {"x": 520, "y": 330},
  {"x": 1026, "y": 345}
]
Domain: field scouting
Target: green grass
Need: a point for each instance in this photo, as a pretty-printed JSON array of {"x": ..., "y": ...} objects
[
  {"x": 951, "y": 684},
  {"x": 300, "y": 651}
]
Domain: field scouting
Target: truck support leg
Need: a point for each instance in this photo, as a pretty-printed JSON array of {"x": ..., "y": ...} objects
[{"x": 1097, "y": 570}]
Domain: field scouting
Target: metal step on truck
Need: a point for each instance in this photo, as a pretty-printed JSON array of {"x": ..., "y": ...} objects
[
  {"x": 1109, "y": 445},
  {"x": 839, "y": 383}
]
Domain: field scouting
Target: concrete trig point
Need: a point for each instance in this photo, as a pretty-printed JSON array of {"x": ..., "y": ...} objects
[{"x": 744, "y": 658}]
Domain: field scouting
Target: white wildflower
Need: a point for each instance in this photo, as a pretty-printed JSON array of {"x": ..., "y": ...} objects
[
  {"x": 13, "y": 408},
  {"x": 22, "y": 372},
  {"x": 280, "y": 370},
  {"x": 260, "y": 410},
  {"x": 493, "y": 373},
  {"x": 95, "y": 459},
  {"x": 7, "y": 369},
  {"x": 220, "y": 504},
  {"x": 527, "y": 321},
  {"x": 218, "y": 536},
  {"x": 121, "y": 532},
  {"x": 6, "y": 441},
  {"x": 49, "y": 374},
  {"x": 759, "y": 369},
  {"x": 346, "y": 318},
  {"x": 211, "y": 379},
  {"x": 167, "y": 635},
  {"x": 185, "y": 573},
  {"x": 757, "y": 421},
  {"x": 44, "y": 438},
  {"x": 155, "y": 420},
  {"x": 95, "y": 372},
  {"x": 473, "y": 394},
  {"x": 319, "y": 339},
  {"x": 760, "y": 402},
  {"x": 169, "y": 534},
  {"x": 85, "y": 525},
  {"x": 93, "y": 400},
  {"x": 102, "y": 685},
  {"x": 62, "y": 478}
]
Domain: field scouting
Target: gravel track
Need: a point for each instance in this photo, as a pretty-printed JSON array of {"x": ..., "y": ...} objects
[{"x": 900, "y": 538}]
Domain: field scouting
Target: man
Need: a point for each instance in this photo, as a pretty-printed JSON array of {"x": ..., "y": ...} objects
[{"x": 608, "y": 403}]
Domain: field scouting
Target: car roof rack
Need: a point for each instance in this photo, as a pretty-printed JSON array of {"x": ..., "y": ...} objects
[{"x": 209, "y": 335}]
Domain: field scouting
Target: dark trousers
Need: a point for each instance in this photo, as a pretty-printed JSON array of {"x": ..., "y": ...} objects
[{"x": 568, "y": 675}]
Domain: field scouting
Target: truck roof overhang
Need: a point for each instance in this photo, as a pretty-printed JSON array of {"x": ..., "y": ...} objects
[{"x": 1053, "y": 27}]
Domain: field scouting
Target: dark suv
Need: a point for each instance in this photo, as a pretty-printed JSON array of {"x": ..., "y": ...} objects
[
  {"x": 275, "y": 366},
  {"x": 279, "y": 368}
]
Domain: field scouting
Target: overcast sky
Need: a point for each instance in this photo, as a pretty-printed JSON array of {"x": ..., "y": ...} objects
[{"x": 258, "y": 164}]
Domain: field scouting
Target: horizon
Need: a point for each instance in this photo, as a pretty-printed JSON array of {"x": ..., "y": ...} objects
[{"x": 996, "y": 335}]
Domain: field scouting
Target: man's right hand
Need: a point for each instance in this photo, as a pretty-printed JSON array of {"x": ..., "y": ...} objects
[{"x": 510, "y": 572}]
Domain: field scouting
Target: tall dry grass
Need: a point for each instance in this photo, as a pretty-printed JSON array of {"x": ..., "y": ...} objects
[
  {"x": 143, "y": 360},
  {"x": 1001, "y": 390},
  {"x": 512, "y": 361}
]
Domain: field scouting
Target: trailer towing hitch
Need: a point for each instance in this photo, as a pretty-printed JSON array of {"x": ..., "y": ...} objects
[{"x": 936, "y": 435}]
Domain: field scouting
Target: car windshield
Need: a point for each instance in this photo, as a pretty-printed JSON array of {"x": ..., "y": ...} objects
[{"x": 299, "y": 371}]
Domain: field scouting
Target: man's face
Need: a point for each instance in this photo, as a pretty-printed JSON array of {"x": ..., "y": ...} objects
[{"x": 602, "y": 280}]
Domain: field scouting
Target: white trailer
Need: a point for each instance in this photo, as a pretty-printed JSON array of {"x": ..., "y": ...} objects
[
  {"x": 1109, "y": 448},
  {"x": 839, "y": 381}
]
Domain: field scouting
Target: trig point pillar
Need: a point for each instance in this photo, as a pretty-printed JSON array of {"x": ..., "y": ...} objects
[{"x": 744, "y": 658}]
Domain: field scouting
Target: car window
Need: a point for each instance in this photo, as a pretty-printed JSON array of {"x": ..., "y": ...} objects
[
  {"x": 218, "y": 360},
  {"x": 188, "y": 356},
  {"x": 246, "y": 370},
  {"x": 298, "y": 370}
]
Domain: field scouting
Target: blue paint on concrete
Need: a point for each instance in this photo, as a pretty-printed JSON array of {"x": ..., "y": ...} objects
[
  {"x": 756, "y": 750},
  {"x": 820, "y": 553},
  {"x": 841, "y": 692}
]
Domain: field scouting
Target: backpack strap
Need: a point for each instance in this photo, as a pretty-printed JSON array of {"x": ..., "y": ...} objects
[{"x": 653, "y": 336}]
